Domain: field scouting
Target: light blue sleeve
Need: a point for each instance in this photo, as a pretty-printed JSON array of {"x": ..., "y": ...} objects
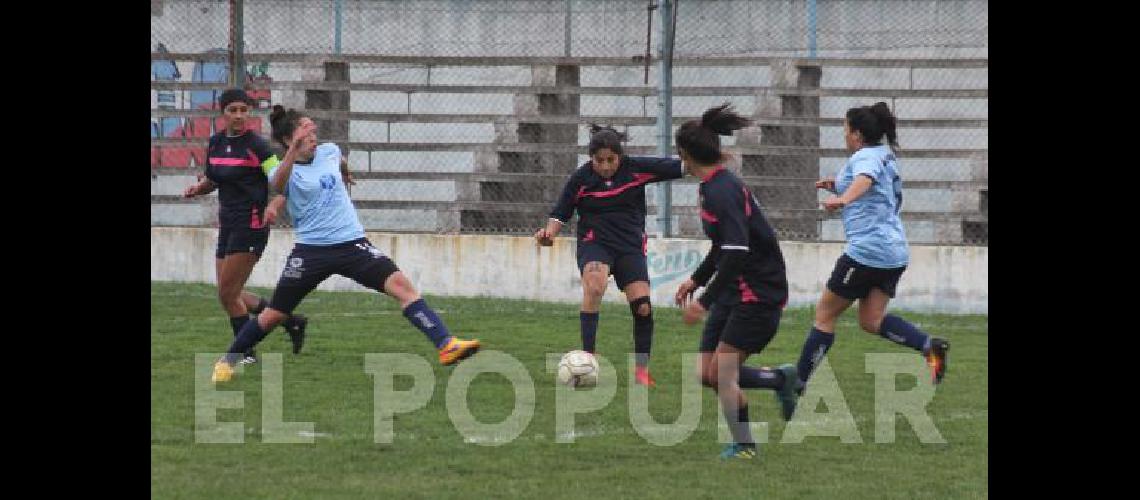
[
  {"x": 866, "y": 164},
  {"x": 330, "y": 150}
]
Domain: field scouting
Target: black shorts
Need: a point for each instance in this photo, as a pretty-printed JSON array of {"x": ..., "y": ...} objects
[
  {"x": 233, "y": 240},
  {"x": 852, "y": 280},
  {"x": 309, "y": 265},
  {"x": 626, "y": 267},
  {"x": 748, "y": 327}
]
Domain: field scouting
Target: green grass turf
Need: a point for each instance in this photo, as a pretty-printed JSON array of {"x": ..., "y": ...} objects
[{"x": 429, "y": 458}]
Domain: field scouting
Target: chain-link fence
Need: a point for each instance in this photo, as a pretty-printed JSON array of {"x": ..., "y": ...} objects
[{"x": 468, "y": 116}]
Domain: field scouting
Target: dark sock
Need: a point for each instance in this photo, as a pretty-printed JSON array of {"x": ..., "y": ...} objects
[
  {"x": 900, "y": 331},
  {"x": 237, "y": 322},
  {"x": 760, "y": 378},
  {"x": 741, "y": 432},
  {"x": 815, "y": 347},
  {"x": 248, "y": 337},
  {"x": 421, "y": 316},
  {"x": 589, "y": 324},
  {"x": 642, "y": 338}
]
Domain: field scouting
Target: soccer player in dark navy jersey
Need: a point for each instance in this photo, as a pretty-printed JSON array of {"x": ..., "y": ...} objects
[
  {"x": 237, "y": 163},
  {"x": 868, "y": 189},
  {"x": 608, "y": 193},
  {"x": 330, "y": 240},
  {"x": 747, "y": 295}
]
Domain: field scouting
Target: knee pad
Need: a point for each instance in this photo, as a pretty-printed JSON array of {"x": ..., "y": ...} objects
[{"x": 635, "y": 309}]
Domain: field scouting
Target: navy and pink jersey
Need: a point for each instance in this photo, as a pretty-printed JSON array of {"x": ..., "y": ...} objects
[
  {"x": 612, "y": 211},
  {"x": 731, "y": 218},
  {"x": 238, "y": 165}
]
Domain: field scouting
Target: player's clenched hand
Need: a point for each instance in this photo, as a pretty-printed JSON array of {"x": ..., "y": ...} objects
[
  {"x": 270, "y": 215},
  {"x": 684, "y": 292},
  {"x": 194, "y": 189},
  {"x": 827, "y": 183},
  {"x": 694, "y": 313},
  {"x": 542, "y": 236}
]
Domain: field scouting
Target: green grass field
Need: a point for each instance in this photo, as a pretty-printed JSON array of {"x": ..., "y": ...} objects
[{"x": 428, "y": 458}]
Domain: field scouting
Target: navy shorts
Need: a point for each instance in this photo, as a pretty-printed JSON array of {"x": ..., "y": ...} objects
[
  {"x": 233, "y": 240},
  {"x": 852, "y": 280},
  {"x": 626, "y": 267},
  {"x": 309, "y": 265},
  {"x": 748, "y": 327}
]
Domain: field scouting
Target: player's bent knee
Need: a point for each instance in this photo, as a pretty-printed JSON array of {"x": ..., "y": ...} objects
[
  {"x": 594, "y": 286},
  {"x": 399, "y": 287},
  {"x": 870, "y": 325}
]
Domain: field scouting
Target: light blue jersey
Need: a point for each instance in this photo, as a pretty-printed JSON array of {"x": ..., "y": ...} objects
[
  {"x": 874, "y": 230},
  {"x": 322, "y": 212}
]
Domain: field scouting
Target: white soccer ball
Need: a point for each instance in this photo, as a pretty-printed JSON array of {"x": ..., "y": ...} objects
[{"x": 578, "y": 369}]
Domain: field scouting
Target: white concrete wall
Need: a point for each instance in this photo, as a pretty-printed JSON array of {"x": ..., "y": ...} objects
[{"x": 952, "y": 279}]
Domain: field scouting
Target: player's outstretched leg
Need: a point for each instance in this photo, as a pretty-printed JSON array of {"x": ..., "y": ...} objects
[
  {"x": 873, "y": 319},
  {"x": 451, "y": 349}
]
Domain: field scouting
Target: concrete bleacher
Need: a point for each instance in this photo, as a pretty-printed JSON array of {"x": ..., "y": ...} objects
[{"x": 484, "y": 144}]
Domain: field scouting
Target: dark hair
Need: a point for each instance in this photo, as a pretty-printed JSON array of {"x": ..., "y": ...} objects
[
  {"x": 233, "y": 95},
  {"x": 283, "y": 123},
  {"x": 605, "y": 138},
  {"x": 873, "y": 122},
  {"x": 700, "y": 138}
]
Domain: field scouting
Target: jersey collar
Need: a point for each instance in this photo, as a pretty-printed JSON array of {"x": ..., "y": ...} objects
[{"x": 712, "y": 174}]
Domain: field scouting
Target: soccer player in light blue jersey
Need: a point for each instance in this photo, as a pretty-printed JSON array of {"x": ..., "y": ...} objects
[
  {"x": 868, "y": 190},
  {"x": 330, "y": 240}
]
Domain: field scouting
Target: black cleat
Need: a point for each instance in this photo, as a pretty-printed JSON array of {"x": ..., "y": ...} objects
[
  {"x": 789, "y": 394},
  {"x": 936, "y": 358},
  {"x": 295, "y": 327}
]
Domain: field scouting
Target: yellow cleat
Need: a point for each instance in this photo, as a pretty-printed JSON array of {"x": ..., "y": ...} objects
[
  {"x": 457, "y": 350},
  {"x": 738, "y": 451},
  {"x": 223, "y": 372}
]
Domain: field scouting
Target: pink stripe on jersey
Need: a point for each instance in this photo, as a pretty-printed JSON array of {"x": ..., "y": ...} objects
[
  {"x": 638, "y": 180},
  {"x": 248, "y": 161}
]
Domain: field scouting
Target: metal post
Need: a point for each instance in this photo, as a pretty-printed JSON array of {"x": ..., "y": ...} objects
[
  {"x": 811, "y": 28},
  {"x": 237, "y": 44},
  {"x": 336, "y": 42},
  {"x": 566, "y": 31},
  {"x": 665, "y": 112}
]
